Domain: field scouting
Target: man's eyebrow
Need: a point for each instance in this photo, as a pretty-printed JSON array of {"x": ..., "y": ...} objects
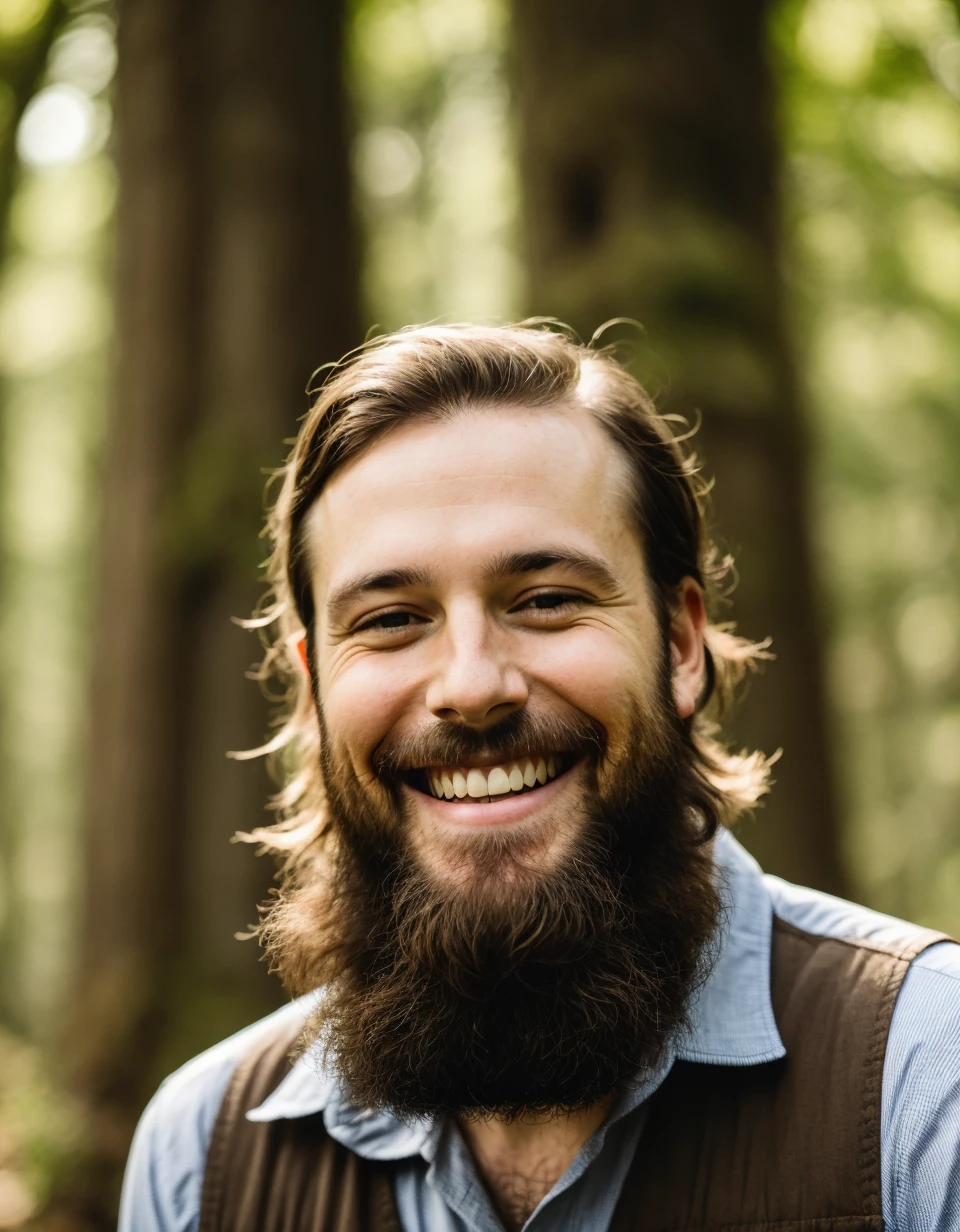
[
  {"x": 349, "y": 592},
  {"x": 591, "y": 568},
  {"x": 510, "y": 564}
]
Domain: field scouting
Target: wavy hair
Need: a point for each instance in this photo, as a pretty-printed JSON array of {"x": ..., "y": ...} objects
[{"x": 434, "y": 372}]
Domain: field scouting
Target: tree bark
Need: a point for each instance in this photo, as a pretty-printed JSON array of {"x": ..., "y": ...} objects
[
  {"x": 650, "y": 167},
  {"x": 236, "y": 277}
]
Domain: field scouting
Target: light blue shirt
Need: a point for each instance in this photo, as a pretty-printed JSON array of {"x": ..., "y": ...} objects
[{"x": 731, "y": 1023}]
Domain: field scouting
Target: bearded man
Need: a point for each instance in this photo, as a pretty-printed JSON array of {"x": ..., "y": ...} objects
[{"x": 539, "y": 983}]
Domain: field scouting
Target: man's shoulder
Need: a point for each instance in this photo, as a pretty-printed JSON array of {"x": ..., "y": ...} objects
[
  {"x": 929, "y": 1000},
  {"x": 195, "y": 1090},
  {"x": 823, "y": 915},
  {"x": 164, "y": 1174},
  {"x": 920, "y": 1100}
]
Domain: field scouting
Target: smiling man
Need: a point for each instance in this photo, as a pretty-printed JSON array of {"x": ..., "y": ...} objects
[{"x": 539, "y": 983}]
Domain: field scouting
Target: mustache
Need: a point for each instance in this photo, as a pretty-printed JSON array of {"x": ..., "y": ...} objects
[{"x": 449, "y": 744}]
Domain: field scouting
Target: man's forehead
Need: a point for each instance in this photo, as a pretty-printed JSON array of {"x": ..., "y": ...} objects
[
  {"x": 449, "y": 497},
  {"x": 540, "y": 456}
]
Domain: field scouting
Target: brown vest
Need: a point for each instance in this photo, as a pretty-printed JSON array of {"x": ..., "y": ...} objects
[{"x": 786, "y": 1146}]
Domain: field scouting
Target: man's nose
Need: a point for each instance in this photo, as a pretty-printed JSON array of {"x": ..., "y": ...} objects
[{"x": 477, "y": 682}]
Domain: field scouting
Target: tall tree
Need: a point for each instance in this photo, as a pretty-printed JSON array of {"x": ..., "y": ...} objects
[
  {"x": 650, "y": 167},
  {"x": 236, "y": 278}
]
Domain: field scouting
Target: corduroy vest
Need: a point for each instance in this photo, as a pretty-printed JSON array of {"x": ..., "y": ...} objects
[{"x": 787, "y": 1146}]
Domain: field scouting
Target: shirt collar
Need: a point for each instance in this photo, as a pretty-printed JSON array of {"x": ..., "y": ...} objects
[
  {"x": 731, "y": 1022},
  {"x": 731, "y": 1018}
]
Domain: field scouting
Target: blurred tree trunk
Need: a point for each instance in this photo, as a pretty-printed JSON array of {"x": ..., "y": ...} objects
[
  {"x": 236, "y": 278},
  {"x": 650, "y": 167}
]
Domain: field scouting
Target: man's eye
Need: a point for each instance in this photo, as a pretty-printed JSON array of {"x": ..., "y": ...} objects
[
  {"x": 552, "y": 601},
  {"x": 388, "y": 621}
]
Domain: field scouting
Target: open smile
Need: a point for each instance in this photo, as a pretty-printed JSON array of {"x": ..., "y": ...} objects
[
  {"x": 486, "y": 783},
  {"x": 493, "y": 794}
]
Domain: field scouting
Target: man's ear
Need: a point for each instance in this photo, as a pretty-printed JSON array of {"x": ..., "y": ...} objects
[
  {"x": 304, "y": 660},
  {"x": 687, "y": 657}
]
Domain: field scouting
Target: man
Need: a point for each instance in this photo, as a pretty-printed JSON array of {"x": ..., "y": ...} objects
[{"x": 541, "y": 986}]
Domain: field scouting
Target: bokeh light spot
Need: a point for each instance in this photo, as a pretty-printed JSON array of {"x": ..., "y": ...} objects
[
  {"x": 928, "y": 637},
  {"x": 943, "y": 749},
  {"x": 388, "y": 162},
  {"x": 48, "y": 315},
  {"x": 931, "y": 247},
  {"x": 837, "y": 38},
  {"x": 85, "y": 55},
  {"x": 56, "y": 214},
  {"x": 919, "y": 132},
  {"x": 43, "y": 490},
  {"x": 57, "y": 127},
  {"x": 18, "y": 17},
  {"x": 16, "y": 1201},
  {"x": 946, "y": 65}
]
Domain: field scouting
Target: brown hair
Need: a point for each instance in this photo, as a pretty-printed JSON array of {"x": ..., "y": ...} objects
[{"x": 432, "y": 373}]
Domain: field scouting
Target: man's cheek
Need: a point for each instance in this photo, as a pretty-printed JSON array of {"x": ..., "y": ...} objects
[
  {"x": 359, "y": 719},
  {"x": 596, "y": 672}
]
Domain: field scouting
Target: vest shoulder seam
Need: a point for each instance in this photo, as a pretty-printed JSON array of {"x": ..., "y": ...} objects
[{"x": 905, "y": 954}]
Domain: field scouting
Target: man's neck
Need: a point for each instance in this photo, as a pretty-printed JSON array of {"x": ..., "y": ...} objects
[{"x": 520, "y": 1161}]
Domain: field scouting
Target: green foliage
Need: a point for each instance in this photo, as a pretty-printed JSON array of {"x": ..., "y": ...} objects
[
  {"x": 433, "y": 157},
  {"x": 55, "y": 325},
  {"x": 40, "y": 1131},
  {"x": 871, "y": 121}
]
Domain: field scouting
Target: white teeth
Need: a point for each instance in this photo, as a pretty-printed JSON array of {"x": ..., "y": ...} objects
[
  {"x": 498, "y": 782},
  {"x": 477, "y": 784},
  {"x": 513, "y": 776}
]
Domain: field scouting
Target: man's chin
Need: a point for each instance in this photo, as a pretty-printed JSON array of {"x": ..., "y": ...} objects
[{"x": 486, "y": 847}]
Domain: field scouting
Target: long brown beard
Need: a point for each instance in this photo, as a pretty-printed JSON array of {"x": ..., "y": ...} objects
[{"x": 548, "y": 994}]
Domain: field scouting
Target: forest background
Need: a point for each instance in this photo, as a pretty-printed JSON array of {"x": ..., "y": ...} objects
[{"x": 201, "y": 201}]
